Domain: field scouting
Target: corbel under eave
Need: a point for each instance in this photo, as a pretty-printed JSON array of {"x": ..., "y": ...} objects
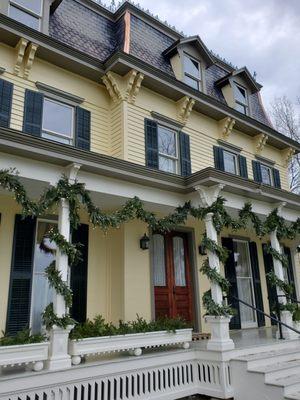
[
  {"x": 287, "y": 155},
  {"x": 184, "y": 108},
  {"x": 20, "y": 52},
  {"x": 260, "y": 141},
  {"x": 123, "y": 88},
  {"x": 29, "y": 58},
  {"x": 209, "y": 194},
  {"x": 225, "y": 127}
]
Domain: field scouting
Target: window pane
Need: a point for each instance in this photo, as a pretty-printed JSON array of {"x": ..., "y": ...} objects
[
  {"x": 191, "y": 82},
  {"x": 191, "y": 67},
  {"x": 179, "y": 261},
  {"x": 240, "y": 94},
  {"x": 58, "y": 118},
  {"x": 32, "y": 5},
  {"x": 241, "y": 258},
  {"x": 166, "y": 141},
  {"x": 24, "y": 18},
  {"x": 167, "y": 164},
  {"x": 159, "y": 269},
  {"x": 266, "y": 175},
  {"x": 241, "y": 108},
  {"x": 230, "y": 162}
]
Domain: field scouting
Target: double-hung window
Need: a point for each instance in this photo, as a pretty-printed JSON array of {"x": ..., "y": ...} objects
[
  {"x": 168, "y": 149},
  {"x": 266, "y": 175},
  {"x": 28, "y": 12},
  {"x": 192, "y": 72},
  {"x": 230, "y": 162},
  {"x": 58, "y": 121},
  {"x": 241, "y": 99}
]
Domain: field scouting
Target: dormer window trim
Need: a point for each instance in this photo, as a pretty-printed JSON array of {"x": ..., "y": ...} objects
[
  {"x": 197, "y": 79},
  {"x": 239, "y": 103}
]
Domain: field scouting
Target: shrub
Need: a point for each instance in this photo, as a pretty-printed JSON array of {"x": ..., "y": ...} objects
[{"x": 22, "y": 337}]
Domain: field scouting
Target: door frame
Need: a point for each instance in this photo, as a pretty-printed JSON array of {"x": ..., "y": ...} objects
[{"x": 196, "y": 307}]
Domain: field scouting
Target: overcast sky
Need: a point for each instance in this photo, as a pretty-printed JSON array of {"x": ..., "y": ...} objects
[{"x": 264, "y": 35}]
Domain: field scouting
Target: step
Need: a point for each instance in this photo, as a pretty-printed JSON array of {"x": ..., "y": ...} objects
[
  {"x": 290, "y": 384},
  {"x": 278, "y": 368},
  {"x": 269, "y": 357}
]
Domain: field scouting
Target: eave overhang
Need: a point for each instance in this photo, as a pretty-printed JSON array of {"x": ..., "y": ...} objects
[
  {"x": 23, "y": 145},
  {"x": 78, "y": 62},
  {"x": 243, "y": 72}
]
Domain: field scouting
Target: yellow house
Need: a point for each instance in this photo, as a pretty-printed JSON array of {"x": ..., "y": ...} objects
[{"x": 123, "y": 103}]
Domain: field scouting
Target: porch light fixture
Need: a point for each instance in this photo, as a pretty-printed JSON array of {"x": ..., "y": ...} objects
[
  {"x": 144, "y": 242},
  {"x": 202, "y": 250}
]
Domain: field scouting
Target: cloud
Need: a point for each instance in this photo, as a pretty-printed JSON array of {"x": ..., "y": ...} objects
[{"x": 263, "y": 35}]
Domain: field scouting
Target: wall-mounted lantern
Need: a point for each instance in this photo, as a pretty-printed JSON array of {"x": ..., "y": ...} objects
[{"x": 144, "y": 242}]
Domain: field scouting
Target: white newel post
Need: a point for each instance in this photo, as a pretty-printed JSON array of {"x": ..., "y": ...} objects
[
  {"x": 285, "y": 316},
  {"x": 220, "y": 339},
  {"x": 59, "y": 337}
]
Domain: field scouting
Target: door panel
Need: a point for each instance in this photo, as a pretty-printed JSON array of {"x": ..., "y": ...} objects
[{"x": 171, "y": 276}]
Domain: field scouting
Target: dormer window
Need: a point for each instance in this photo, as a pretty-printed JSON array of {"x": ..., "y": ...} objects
[
  {"x": 241, "y": 98},
  {"x": 28, "y": 12},
  {"x": 192, "y": 72}
]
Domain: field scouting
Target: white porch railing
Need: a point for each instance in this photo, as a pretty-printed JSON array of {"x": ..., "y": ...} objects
[{"x": 165, "y": 375}]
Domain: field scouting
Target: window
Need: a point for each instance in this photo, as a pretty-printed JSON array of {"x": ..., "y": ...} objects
[
  {"x": 192, "y": 72},
  {"x": 167, "y": 149},
  {"x": 266, "y": 174},
  {"x": 230, "y": 162},
  {"x": 58, "y": 121},
  {"x": 241, "y": 99},
  {"x": 28, "y": 12}
]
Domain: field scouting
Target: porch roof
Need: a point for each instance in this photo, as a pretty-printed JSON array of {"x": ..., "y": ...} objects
[{"x": 20, "y": 144}]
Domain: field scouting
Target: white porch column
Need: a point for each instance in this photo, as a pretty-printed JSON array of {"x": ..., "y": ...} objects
[
  {"x": 58, "y": 352},
  {"x": 220, "y": 339},
  {"x": 285, "y": 316}
]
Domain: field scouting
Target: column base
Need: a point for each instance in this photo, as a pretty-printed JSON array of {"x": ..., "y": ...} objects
[
  {"x": 220, "y": 339},
  {"x": 288, "y": 334},
  {"x": 58, "y": 351}
]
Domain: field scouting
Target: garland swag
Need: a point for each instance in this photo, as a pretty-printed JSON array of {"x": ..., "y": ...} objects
[{"x": 79, "y": 197}]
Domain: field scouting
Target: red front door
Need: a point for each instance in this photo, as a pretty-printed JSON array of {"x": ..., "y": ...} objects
[{"x": 172, "y": 276}]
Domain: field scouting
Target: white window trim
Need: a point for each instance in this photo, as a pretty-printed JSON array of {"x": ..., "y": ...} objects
[
  {"x": 58, "y": 134},
  {"x": 27, "y": 11},
  {"x": 199, "y": 79},
  {"x": 271, "y": 174},
  {"x": 175, "y": 158},
  {"x": 246, "y": 104},
  {"x": 236, "y": 160}
]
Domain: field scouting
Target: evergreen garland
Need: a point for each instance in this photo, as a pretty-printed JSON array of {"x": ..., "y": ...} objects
[
  {"x": 278, "y": 256},
  {"x": 79, "y": 197}
]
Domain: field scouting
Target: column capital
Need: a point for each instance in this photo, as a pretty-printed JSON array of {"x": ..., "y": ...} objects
[
  {"x": 280, "y": 207},
  {"x": 208, "y": 195},
  {"x": 72, "y": 171}
]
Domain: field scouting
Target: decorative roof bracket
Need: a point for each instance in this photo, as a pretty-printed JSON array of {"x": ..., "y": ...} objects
[
  {"x": 29, "y": 58},
  {"x": 225, "y": 127},
  {"x": 123, "y": 88},
  {"x": 20, "y": 51},
  {"x": 184, "y": 108},
  {"x": 287, "y": 155},
  {"x": 260, "y": 141}
]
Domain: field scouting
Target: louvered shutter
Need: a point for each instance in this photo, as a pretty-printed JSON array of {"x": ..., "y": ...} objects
[
  {"x": 272, "y": 293},
  {"x": 256, "y": 283},
  {"x": 18, "y": 314},
  {"x": 256, "y": 166},
  {"x": 151, "y": 143},
  {"x": 276, "y": 178},
  {"x": 243, "y": 166},
  {"x": 185, "y": 154},
  {"x": 230, "y": 274},
  {"x": 33, "y": 112},
  {"x": 290, "y": 271},
  {"x": 219, "y": 158},
  {"x": 6, "y": 92},
  {"x": 79, "y": 275},
  {"x": 83, "y": 129}
]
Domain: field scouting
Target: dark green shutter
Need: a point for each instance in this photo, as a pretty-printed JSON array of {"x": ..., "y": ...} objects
[
  {"x": 272, "y": 292},
  {"x": 276, "y": 178},
  {"x": 185, "y": 154},
  {"x": 219, "y": 158},
  {"x": 256, "y": 283},
  {"x": 79, "y": 275},
  {"x": 33, "y": 113},
  {"x": 18, "y": 314},
  {"x": 6, "y": 92},
  {"x": 290, "y": 271},
  {"x": 230, "y": 274},
  {"x": 151, "y": 143},
  {"x": 243, "y": 166},
  {"x": 256, "y": 171},
  {"x": 83, "y": 129}
]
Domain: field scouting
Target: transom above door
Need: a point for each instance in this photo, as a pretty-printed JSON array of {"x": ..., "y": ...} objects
[{"x": 172, "y": 275}]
